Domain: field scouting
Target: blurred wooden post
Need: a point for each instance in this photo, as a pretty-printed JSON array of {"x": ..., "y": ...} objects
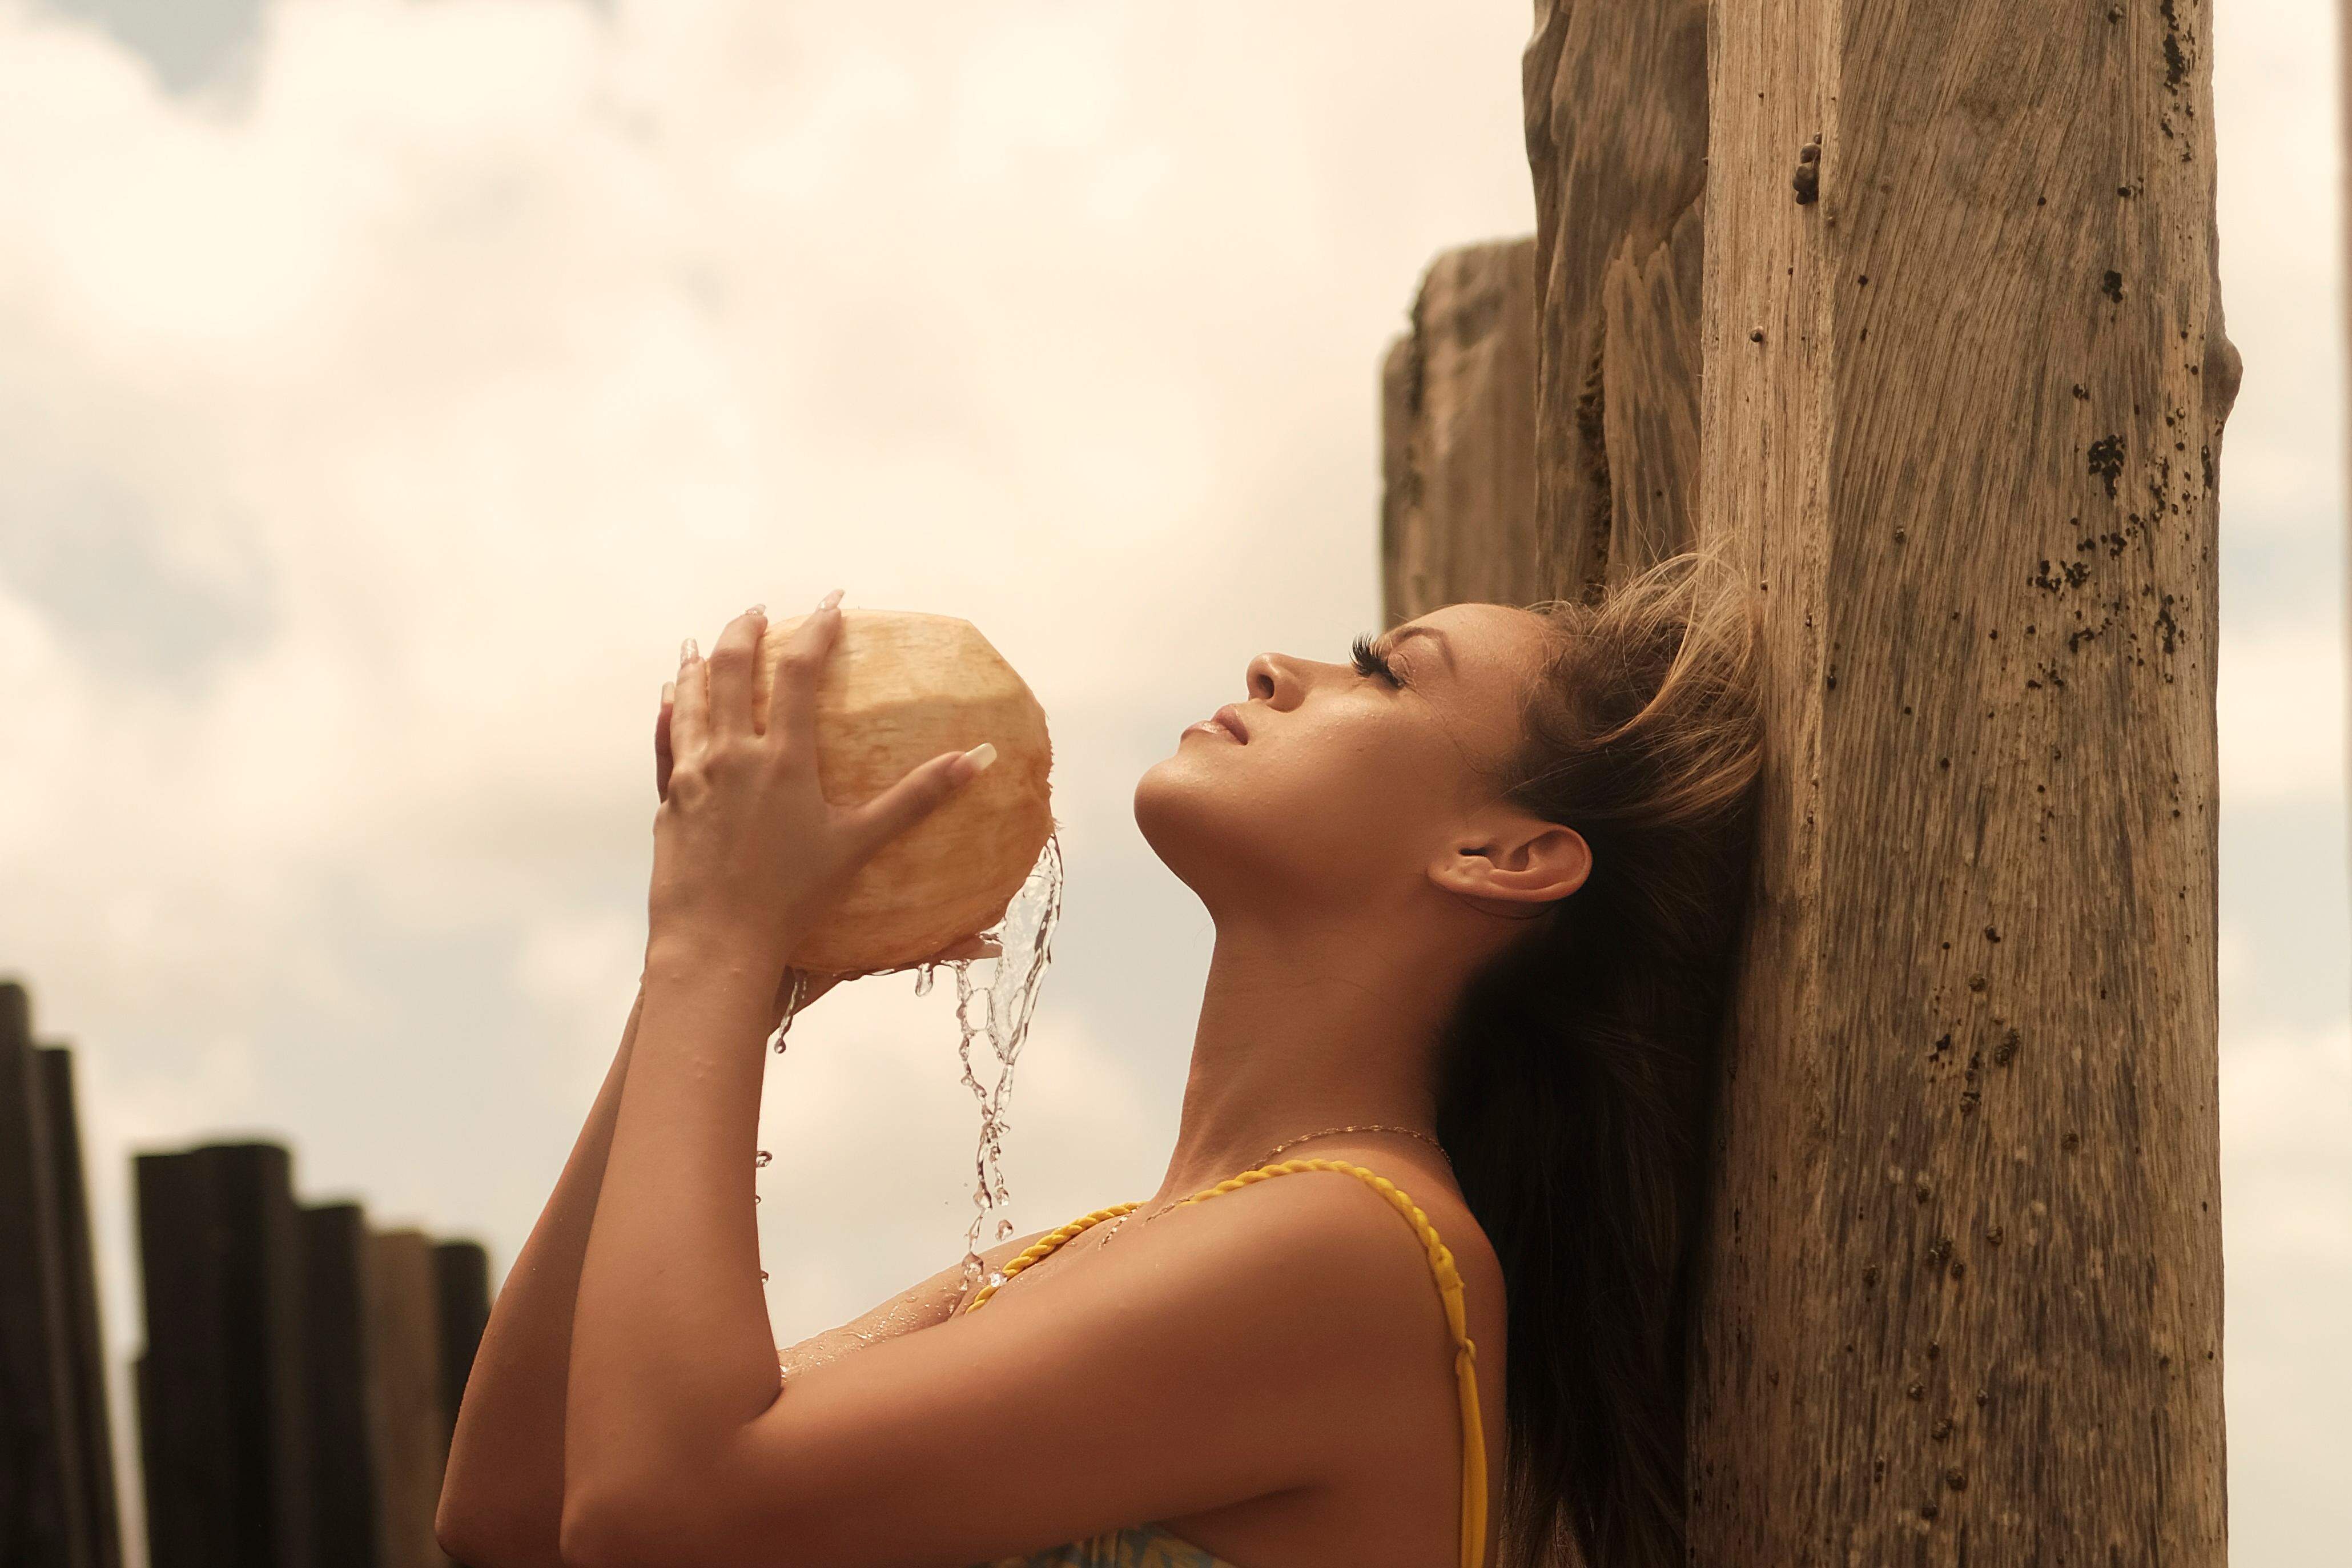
[
  {"x": 461, "y": 1275},
  {"x": 93, "y": 1426},
  {"x": 345, "y": 1511},
  {"x": 410, "y": 1434},
  {"x": 49, "y": 1508},
  {"x": 1962, "y": 413},
  {"x": 223, "y": 1392}
]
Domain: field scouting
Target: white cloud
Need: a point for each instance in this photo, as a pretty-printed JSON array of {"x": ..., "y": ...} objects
[{"x": 2280, "y": 712}]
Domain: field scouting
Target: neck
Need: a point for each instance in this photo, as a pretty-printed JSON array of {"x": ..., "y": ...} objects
[{"x": 1303, "y": 1029}]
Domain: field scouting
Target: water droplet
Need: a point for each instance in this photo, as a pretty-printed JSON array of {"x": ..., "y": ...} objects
[
  {"x": 761, "y": 1159},
  {"x": 1002, "y": 1016},
  {"x": 763, "y": 1274}
]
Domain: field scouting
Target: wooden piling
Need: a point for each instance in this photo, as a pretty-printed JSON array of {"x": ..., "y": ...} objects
[
  {"x": 224, "y": 1398},
  {"x": 49, "y": 1507}
]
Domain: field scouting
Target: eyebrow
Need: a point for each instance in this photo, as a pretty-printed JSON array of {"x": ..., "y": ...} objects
[{"x": 1444, "y": 647}]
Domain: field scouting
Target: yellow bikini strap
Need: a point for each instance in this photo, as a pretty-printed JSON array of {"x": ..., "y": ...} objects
[
  {"x": 1449, "y": 1290},
  {"x": 1044, "y": 1245}
]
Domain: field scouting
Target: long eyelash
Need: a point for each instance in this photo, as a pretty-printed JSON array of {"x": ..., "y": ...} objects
[{"x": 1371, "y": 663}]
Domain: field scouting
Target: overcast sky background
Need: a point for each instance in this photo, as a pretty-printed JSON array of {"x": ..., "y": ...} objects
[{"x": 387, "y": 387}]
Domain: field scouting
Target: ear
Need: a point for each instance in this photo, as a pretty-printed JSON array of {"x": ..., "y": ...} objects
[{"x": 1520, "y": 860}]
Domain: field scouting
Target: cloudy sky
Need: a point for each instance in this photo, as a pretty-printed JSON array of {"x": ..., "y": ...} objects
[{"x": 387, "y": 387}]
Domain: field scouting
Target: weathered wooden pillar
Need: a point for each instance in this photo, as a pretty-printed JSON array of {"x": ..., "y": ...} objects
[
  {"x": 1457, "y": 437},
  {"x": 1540, "y": 421},
  {"x": 1615, "y": 98},
  {"x": 1921, "y": 308},
  {"x": 1965, "y": 383}
]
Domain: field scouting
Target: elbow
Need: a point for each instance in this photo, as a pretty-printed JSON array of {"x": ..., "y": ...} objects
[
  {"x": 583, "y": 1541},
  {"x": 606, "y": 1528},
  {"x": 482, "y": 1537}
]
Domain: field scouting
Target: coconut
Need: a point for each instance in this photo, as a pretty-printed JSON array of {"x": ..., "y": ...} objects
[{"x": 898, "y": 688}]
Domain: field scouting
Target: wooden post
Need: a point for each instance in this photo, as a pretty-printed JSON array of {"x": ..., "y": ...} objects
[
  {"x": 410, "y": 1434},
  {"x": 1965, "y": 383},
  {"x": 1922, "y": 308},
  {"x": 345, "y": 1511},
  {"x": 86, "y": 1350},
  {"x": 461, "y": 1278},
  {"x": 1457, "y": 437},
  {"x": 46, "y": 1504},
  {"x": 223, "y": 1390},
  {"x": 1615, "y": 98},
  {"x": 1540, "y": 421}
]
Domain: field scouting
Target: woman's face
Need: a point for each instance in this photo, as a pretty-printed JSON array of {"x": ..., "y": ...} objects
[{"x": 1346, "y": 788}]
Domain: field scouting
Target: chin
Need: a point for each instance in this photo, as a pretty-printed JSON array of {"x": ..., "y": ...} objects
[{"x": 1201, "y": 827}]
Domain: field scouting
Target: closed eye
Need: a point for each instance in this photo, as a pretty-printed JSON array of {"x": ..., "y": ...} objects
[{"x": 1369, "y": 661}]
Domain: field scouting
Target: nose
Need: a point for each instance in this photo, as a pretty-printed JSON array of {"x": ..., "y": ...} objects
[{"x": 1264, "y": 676}]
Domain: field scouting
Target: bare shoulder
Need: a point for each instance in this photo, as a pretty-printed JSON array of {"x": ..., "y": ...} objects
[
  {"x": 1329, "y": 1244},
  {"x": 922, "y": 1305}
]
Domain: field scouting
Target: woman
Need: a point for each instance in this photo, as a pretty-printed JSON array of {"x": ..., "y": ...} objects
[{"x": 1474, "y": 896}]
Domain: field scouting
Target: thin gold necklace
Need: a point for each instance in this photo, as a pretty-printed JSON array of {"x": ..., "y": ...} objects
[{"x": 1278, "y": 1148}]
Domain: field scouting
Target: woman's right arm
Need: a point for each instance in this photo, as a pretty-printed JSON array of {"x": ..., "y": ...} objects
[{"x": 502, "y": 1494}]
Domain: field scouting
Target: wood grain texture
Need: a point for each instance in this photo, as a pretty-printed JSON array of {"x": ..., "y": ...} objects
[
  {"x": 1616, "y": 100},
  {"x": 1457, "y": 437},
  {"x": 1962, "y": 410}
]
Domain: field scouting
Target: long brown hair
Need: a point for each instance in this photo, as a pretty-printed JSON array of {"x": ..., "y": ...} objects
[{"x": 1578, "y": 1066}]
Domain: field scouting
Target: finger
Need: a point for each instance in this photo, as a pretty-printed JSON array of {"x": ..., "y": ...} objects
[
  {"x": 732, "y": 658},
  {"x": 914, "y": 797},
  {"x": 791, "y": 702},
  {"x": 689, "y": 715},
  {"x": 664, "y": 761}
]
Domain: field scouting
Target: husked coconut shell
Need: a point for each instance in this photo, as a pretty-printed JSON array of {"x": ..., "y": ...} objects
[{"x": 899, "y": 687}]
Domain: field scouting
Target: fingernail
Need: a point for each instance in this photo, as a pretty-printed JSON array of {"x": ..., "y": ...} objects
[
  {"x": 978, "y": 760},
  {"x": 686, "y": 652},
  {"x": 670, "y": 690},
  {"x": 757, "y": 610},
  {"x": 829, "y": 601}
]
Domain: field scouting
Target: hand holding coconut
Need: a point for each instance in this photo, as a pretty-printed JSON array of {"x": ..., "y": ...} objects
[{"x": 749, "y": 856}]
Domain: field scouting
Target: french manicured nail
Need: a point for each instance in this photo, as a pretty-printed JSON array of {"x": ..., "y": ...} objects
[
  {"x": 829, "y": 601},
  {"x": 686, "y": 652},
  {"x": 978, "y": 760}
]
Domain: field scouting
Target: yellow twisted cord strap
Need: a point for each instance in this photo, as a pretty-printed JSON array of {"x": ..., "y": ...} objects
[
  {"x": 1046, "y": 1244},
  {"x": 1449, "y": 1289}
]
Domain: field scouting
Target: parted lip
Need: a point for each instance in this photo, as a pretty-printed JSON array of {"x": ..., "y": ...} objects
[{"x": 1231, "y": 718}]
